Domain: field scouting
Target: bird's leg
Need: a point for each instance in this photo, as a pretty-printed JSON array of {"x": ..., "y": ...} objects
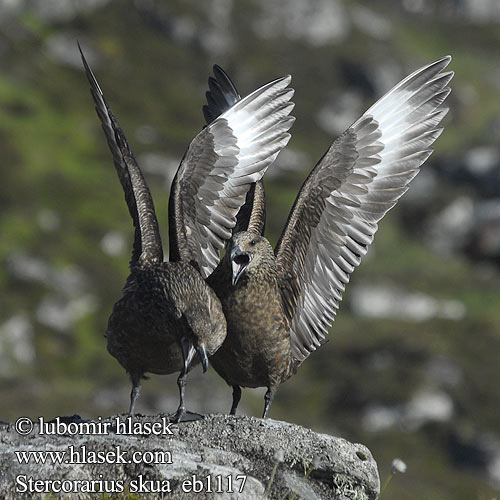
[
  {"x": 134, "y": 394},
  {"x": 188, "y": 351},
  {"x": 181, "y": 383},
  {"x": 268, "y": 398},
  {"x": 236, "y": 399}
]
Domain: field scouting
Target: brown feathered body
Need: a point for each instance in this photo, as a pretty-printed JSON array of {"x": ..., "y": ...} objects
[
  {"x": 161, "y": 304},
  {"x": 167, "y": 313},
  {"x": 279, "y": 305},
  {"x": 257, "y": 353}
]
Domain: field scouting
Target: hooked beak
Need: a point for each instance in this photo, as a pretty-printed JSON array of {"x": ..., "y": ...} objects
[
  {"x": 239, "y": 262},
  {"x": 202, "y": 354}
]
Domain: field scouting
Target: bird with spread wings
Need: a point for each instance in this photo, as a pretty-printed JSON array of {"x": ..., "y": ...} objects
[
  {"x": 280, "y": 304},
  {"x": 168, "y": 317}
]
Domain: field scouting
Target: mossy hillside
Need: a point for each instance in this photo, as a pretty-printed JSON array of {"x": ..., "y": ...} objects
[{"x": 54, "y": 157}]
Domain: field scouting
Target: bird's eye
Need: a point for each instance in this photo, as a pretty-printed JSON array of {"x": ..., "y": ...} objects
[{"x": 253, "y": 243}]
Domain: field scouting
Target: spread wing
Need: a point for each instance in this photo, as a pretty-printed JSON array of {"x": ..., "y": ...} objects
[
  {"x": 147, "y": 241},
  {"x": 222, "y": 94},
  {"x": 218, "y": 169},
  {"x": 363, "y": 174}
]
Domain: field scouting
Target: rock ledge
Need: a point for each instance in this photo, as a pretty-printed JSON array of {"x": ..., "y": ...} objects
[{"x": 203, "y": 459}]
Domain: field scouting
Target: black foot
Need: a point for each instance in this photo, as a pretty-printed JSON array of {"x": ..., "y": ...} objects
[
  {"x": 186, "y": 416},
  {"x": 177, "y": 416}
]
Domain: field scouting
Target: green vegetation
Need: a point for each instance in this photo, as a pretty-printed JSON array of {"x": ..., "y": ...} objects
[{"x": 59, "y": 197}]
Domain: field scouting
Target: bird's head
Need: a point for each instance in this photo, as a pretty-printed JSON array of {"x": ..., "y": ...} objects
[{"x": 247, "y": 251}]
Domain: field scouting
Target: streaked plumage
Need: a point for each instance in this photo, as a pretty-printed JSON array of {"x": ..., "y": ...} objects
[
  {"x": 279, "y": 305},
  {"x": 167, "y": 312}
]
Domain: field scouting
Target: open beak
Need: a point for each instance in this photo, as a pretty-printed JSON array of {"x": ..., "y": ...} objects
[
  {"x": 202, "y": 354},
  {"x": 239, "y": 262}
]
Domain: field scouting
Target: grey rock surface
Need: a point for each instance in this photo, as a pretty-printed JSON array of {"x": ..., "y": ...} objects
[{"x": 209, "y": 458}]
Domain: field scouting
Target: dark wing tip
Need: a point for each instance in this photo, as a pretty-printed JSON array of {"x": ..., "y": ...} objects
[
  {"x": 119, "y": 135},
  {"x": 223, "y": 78},
  {"x": 222, "y": 94},
  {"x": 88, "y": 71},
  {"x": 120, "y": 138},
  {"x": 207, "y": 114}
]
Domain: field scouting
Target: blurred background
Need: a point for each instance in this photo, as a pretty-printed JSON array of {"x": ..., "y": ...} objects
[{"x": 412, "y": 369}]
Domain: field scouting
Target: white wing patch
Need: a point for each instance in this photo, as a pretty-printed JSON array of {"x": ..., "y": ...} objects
[
  {"x": 393, "y": 139},
  {"x": 226, "y": 158}
]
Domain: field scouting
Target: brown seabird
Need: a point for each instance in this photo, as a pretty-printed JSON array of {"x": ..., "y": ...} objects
[
  {"x": 167, "y": 313},
  {"x": 279, "y": 305}
]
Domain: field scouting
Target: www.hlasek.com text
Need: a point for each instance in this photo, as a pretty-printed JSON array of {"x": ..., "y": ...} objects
[{"x": 74, "y": 455}]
